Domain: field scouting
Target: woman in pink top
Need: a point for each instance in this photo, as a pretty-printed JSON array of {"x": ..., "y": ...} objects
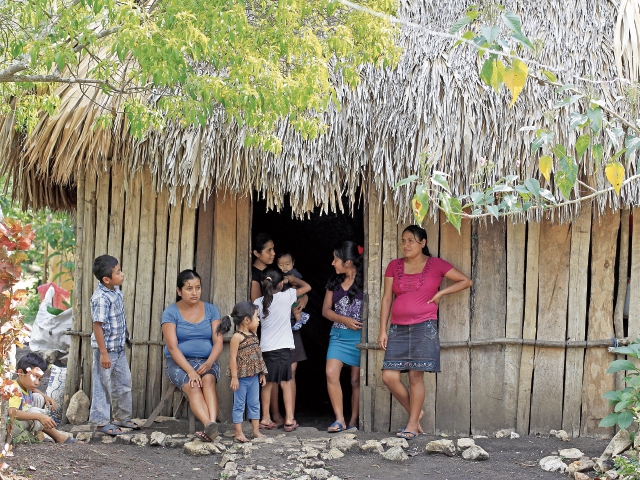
[{"x": 412, "y": 343}]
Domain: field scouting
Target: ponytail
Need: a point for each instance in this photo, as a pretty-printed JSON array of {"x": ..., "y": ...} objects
[
  {"x": 420, "y": 234},
  {"x": 271, "y": 277},
  {"x": 225, "y": 325}
]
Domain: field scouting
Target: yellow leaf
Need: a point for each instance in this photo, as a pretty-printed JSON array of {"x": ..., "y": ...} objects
[
  {"x": 545, "y": 164},
  {"x": 514, "y": 78},
  {"x": 615, "y": 174}
]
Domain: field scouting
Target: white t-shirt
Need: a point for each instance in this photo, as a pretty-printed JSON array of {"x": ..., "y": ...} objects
[{"x": 276, "y": 327}]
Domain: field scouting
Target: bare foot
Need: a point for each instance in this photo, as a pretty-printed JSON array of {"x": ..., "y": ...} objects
[
  {"x": 420, "y": 430},
  {"x": 241, "y": 439},
  {"x": 258, "y": 435}
]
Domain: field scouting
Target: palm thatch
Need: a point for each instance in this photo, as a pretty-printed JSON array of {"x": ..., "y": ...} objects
[{"x": 433, "y": 101}]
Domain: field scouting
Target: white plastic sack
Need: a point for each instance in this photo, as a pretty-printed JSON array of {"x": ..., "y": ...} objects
[
  {"x": 55, "y": 388},
  {"x": 47, "y": 333}
]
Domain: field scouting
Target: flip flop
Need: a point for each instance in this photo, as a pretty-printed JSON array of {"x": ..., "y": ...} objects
[
  {"x": 335, "y": 427},
  {"x": 70, "y": 440},
  {"x": 127, "y": 424},
  {"x": 211, "y": 430},
  {"x": 267, "y": 426},
  {"x": 291, "y": 427},
  {"x": 246, "y": 440},
  {"x": 203, "y": 436},
  {"x": 406, "y": 434},
  {"x": 351, "y": 428},
  {"x": 110, "y": 429}
]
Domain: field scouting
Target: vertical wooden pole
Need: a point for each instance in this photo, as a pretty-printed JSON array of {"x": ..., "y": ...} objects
[
  {"x": 634, "y": 286},
  {"x": 379, "y": 392},
  {"x": 453, "y": 403},
  {"x": 243, "y": 248},
  {"x": 223, "y": 280},
  {"x": 516, "y": 241},
  {"x": 143, "y": 295},
  {"x": 204, "y": 246},
  {"x": 488, "y": 319},
  {"x": 548, "y": 380},
  {"x": 156, "y": 355},
  {"x": 596, "y": 380},
  {"x": 576, "y": 325},
  {"x": 89, "y": 281},
  {"x": 529, "y": 327},
  {"x": 622, "y": 283},
  {"x": 188, "y": 236},
  {"x": 74, "y": 366},
  {"x": 102, "y": 213},
  {"x": 116, "y": 214}
]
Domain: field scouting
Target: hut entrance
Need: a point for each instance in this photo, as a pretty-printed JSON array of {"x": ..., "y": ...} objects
[{"x": 311, "y": 242}]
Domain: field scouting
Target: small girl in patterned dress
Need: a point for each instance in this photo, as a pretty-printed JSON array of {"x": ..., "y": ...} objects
[{"x": 246, "y": 367}]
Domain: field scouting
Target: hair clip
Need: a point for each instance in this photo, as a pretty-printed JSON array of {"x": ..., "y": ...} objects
[
  {"x": 269, "y": 278},
  {"x": 360, "y": 249}
]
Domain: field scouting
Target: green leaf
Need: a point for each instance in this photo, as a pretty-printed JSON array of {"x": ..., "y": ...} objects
[
  {"x": 420, "y": 206},
  {"x": 490, "y": 33},
  {"x": 512, "y": 21},
  {"x": 619, "y": 365},
  {"x": 568, "y": 101},
  {"x": 582, "y": 145},
  {"x": 520, "y": 38},
  {"x": 493, "y": 210},
  {"x": 617, "y": 154},
  {"x": 597, "y": 152},
  {"x": 404, "y": 181},
  {"x": 610, "y": 420},
  {"x": 533, "y": 185},
  {"x": 576, "y": 119},
  {"x": 460, "y": 23},
  {"x": 550, "y": 76},
  {"x": 440, "y": 179},
  {"x": 595, "y": 115},
  {"x": 625, "y": 419},
  {"x": 566, "y": 175},
  {"x": 631, "y": 143},
  {"x": 452, "y": 210},
  {"x": 468, "y": 35},
  {"x": 612, "y": 395},
  {"x": 492, "y": 72}
]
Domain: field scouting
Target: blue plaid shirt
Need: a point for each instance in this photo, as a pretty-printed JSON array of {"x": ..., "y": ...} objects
[{"x": 107, "y": 308}]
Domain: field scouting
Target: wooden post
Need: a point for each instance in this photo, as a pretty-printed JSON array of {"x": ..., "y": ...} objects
[
  {"x": 223, "y": 293},
  {"x": 156, "y": 354},
  {"x": 453, "y": 408},
  {"x": 516, "y": 241},
  {"x": 116, "y": 214},
  {"x": 576, "y": 325},
  {"x": 528, "y": 328},
  {"x": 74, "y": 366},
  {"x": 622, "y": 282},
  {"x": 488, "y": 319},
  {"x": 89, "y": 280},
  {"x": 546, "y": 400},
  {"x": 188, "y": 236},
  {"x": 143, "y": 295},
  {"x": 634, "y": 286},
  {"x": 379, "y": 393},
  {"x": 243, "y": 248},
  {"x": 204, "y": 246},
  {"x": 596, "y": 380},
  {"x": 102, "y": 213}
]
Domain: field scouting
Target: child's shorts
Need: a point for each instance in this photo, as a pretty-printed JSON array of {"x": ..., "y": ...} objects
[
  {"x": 278, "y": 364},
  {"x": 180, "y": 378},
  {"x": 25, "y": 430}
]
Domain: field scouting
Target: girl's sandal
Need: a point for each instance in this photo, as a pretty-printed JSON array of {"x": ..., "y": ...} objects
[
  {"x": 267, "y": 426},
  {"x": 203, "y": 436},
  {"x": 291, "y": 427}
]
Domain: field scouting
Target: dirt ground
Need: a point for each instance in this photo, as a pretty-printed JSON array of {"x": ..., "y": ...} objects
[{"x": 509, "y": 459}]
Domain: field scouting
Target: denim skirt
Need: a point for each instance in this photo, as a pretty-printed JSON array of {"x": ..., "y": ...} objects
[
  {"x": 180, "y": 378},
  {"x": 413, "y": 347}
]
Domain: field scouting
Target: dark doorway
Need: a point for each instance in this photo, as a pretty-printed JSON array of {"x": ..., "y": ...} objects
[{"x": 311, "y": 241}]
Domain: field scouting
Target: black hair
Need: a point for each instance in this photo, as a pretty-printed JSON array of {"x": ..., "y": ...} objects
[
  {"x": 284, "y": 254},
  {"x": 240, "y": 311},
  {"x": 261, "y": 241},
  {"x": 348, "y": 251},
  {"x": 183, "y": 277},
  {"x": 103, "y": 266},
  {"x": 420, "y": 234},
  {"x": 271, "y": 277},
  {"x": 31, "y": 360}
]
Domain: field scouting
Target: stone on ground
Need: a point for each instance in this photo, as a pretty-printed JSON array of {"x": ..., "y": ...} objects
[
  {"x": 318, "y": 473},
  {"x": 198, "y": 448},
  {"x": 396, "y": 454},
  {"x": 561, "y": 434},
  {"x": 78, "y": 410},
  {"x": 344, "y": 443},
  {"x": 372, "y": 446},
  {"x": 474, "y": 452},
  {"x": 618, "y": 444},
  {"x": 140, "y": 439},
  {"x": 503, "y": 433},
  {"x": 553, "y": 464},
  {"x": 514, "y": 435},
  {"x": 109, "y": 439},
  {"x": 464, "y": 443},
  {"x": 82, "y": 428},
  {"x": 393, "y": 441},
  {"x": 580, "y": 476},
  {"x": 441, "y": 446},
  {"x": 332, "y": 454},
  {"x": 611, "y": 475},
  {"x": 157, "y": 439},
  {"x": 584, "y": 464},
  {"x": 263, "y": 440},
  {"x": 570, "y": 453},
  {"x": 175, "y": 442},
  {"x": 226, "y": 458},
  {"x": 84, "y": 436}
]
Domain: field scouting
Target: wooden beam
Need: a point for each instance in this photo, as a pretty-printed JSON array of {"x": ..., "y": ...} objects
[
  {"x": 204, "y": 246},
  {"x": 488, "y": 319},
  {"x": 430, "y": 379},
  {"x": 243, "y": 248},
  {"x": 622, "y": 284},
  {"x": 188, "y": 237},
  {"x": 576, "y": 325},
  {"x": 596, "y": 381},
  {"x": 116, "y": 213},
  {"x": 634, "y": 275}
]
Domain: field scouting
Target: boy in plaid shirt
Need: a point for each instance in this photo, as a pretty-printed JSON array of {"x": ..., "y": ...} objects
[{"x": 111, "y": 374}]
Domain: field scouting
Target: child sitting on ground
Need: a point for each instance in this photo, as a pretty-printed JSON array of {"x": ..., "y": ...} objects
[
  {"x": 286, "y": 263},
  {"x": 246, "y": 367},
  {"x": 28, "y": 408}
]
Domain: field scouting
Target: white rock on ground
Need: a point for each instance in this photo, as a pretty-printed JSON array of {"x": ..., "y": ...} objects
[
  {"x": 317, "y": 473},
  {"x": 475, "y": 452},
  {"x": 198, "y": 448},
  {"x": 571, "y": 453},
  {"x": 82, "y": 428},
  {"x": 344, "y": 443},
  {"x": 441, "y": 446},
  {"x": 78, "y": 410},
  {"x": 582, "y": 465},
  {"x": 109, "y": 439},
  {"x": 618, "y": 444},
  {"x": 503, "y": 433},
  {"x": 514, "y": 435},
  {"x": 396, "y": 454},
  {"x": 332, "y": 454},
  {"x": 372, "y": 446},
  {"x": 157, "y": 439},
  {"x": 561, "y": 434},
  {"x": 393, "y": 441},
  {"x": 464, "y": 443},
  {"x": 226, "y": 458},
  {"x": 580, "y": 476},
  {"x": 553, "y": 464},
  {"x": 611, "y": 475},
  {"x": 140, "y": 439},
  {"x": 84, "y": 436},
  {"x": 175, "y": 442}
]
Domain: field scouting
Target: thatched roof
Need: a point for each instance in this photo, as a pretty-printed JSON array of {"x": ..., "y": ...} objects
[{"x": 432, "y": 101}]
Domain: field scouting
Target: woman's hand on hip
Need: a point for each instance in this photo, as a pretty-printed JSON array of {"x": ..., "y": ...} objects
[
  {"x": 352, "y": 323},
  {"x": 382, "y": 340},
  {"x": 204, "y": 368},
  {"x": 194, "y": 379},
  {"x": 436, "y": 298}
]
